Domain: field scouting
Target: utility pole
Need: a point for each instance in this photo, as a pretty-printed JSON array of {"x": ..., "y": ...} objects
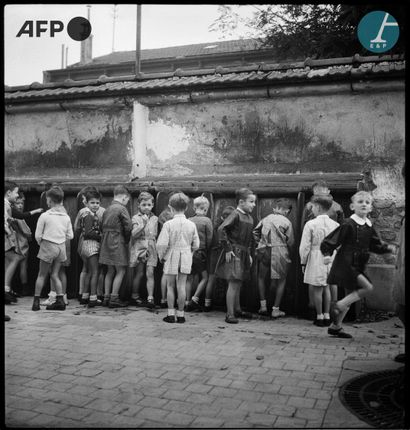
[
  {"x": 113, "y": 27},
  {"x": 62, "y": 56},
  {"x": 138, "y": 48}
]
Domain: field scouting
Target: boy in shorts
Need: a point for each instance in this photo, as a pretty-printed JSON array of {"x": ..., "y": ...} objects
[{"x": 53, "y": 229}]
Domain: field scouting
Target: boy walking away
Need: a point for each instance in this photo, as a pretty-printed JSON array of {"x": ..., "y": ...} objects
[
  {"x": 214, "y": 257},
  {"x": 200, "y": 257},
  {"x": 143, "y": 253},
  {"x": 53, "y": 229},
  {"x": 176, "y": 243},
  {"x": 116, "y": 232},
  {"x": 320, "y": 188},
  {"x": 274, "y": 235},
  {"x": 314, "y": 266},
  {"x": 356, "y": 238},
  {"x": 236, "y": 237}
]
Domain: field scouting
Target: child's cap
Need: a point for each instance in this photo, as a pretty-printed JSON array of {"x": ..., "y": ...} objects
[{"x": 325, "y": 202}]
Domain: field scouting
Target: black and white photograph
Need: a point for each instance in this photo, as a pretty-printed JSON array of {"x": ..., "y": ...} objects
[{"x": 204, "y": 215}]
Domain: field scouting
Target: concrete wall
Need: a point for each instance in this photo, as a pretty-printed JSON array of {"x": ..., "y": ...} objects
[
  {"x": 69, "y": 143},
  {"x": 336, "y": 132}
]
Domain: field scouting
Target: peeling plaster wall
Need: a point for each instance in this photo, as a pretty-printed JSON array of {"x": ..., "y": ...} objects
[
  {"x": 333, "y": 133},
  {"x": 75, "y": 144}
]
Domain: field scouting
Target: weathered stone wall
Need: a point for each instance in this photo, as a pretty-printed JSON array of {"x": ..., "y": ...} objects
[
  {"x": 69, "y": 143},
  {"x": 336, "y": 132}
]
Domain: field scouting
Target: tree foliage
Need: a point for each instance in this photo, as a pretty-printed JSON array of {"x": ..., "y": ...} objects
[{"x": 308, "y": 30}]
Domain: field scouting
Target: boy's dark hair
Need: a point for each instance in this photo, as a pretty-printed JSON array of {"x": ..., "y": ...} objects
[
  {"x": 9, "y": 186},
  {"x": 55, "y": 194},
  {"x": 144, "y": 195},
  {"x": 243, "y": 194},
  {"x": 87, "y": 188},
  {"x": 320, "y": 183},
  {"x": 121, "y": 189},
  {"x": 227, "y": 211},
  {"x": 92, "y": 194},
  {"x": 21, "y": 196},
  {"x": 283, "y": 204},
  {"x": 179, "y": 201},
  {"x": 325, "y": 202}
]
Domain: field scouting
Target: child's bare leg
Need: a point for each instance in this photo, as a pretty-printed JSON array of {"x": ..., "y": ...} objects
[
  {"x": 201, "y": 286},
  {"x": 55, "y": 279},
  {"x": 12, "y": 260},
  {"x": 163, "y": 289},
  {"x": 100, "y": 285},
  {"x": 181, "y": 291},
  {"x": 40, "y": 281},
  {"x": 150, "y": 282},
  {"x": 263, "y": 270},
  {"x": 63, "y": 278},
  {"x": 188, "y": 288},
  {"x": 171, "y": 282},
  {"x": 343, "y": 305},
  {"x": 333, "y": 293},
  {"x": 209, "y": 290},
  {"x": 108, "y": 282},
  {"x": 231, "y": 294},
  {"x": 318, "y": 301},
  {"x": 93, "y": 269},
  {"x": 311, "y": 292},
  {"x": 23, "y": 271},
  {"x": 280, "y": 288},
  {"x": 136, "y": 282},
  {"x": 116, "y": 283},
  {"x": 326, "y": 301}
]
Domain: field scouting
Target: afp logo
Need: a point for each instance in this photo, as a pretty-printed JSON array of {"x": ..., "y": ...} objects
[{"x": 78, "y": 28}]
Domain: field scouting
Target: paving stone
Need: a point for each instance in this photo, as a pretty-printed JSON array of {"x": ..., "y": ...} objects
[
  {"x": 179, "y": 419},
  {"x": 153, "y": 402},
  {"x": 206, "y": 422},
  {"x": 176, "y": 395},
  {"x": 153, "y": 413},
  {"x": 75, "y": 413},
  {"x": 200, "y": 398},
  {"x": 18, "y": 417},
  {"x": 261, "y": 419},
  {"x": 253, "y": 406},
  {"x": 310, "y": 414},
  {"x": 293, "y": 391},
  {"x": 301, "y": 402},
  {"x": 289, "y": 422}
]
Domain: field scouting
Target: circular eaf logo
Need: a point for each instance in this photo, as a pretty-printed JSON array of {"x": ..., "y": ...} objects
[{"x": 378, "y": 31}]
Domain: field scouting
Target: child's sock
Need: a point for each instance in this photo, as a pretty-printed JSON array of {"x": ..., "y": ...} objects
[
  {"x": 195, "y": 299},
  {"x": 208, "y": 302},
  {"x": 114, "y": 297},
  {"x": 85, "y": 296},
  {"x": 349, "y": 299},
  {"x": 263, "y": 305},
  {"x": 163, "y": 300},
  {"x": 320, "y": 316},
  {"x": 52, "y": 294},
  {"x": 93, "y": 298},
  {"x": 180, "y": 313},
  {"x": 150, "y": 298},
  {"x": 7, "y": 288},
  {"x": 326, "y": 316},
  {"x": 171, "y": 312}
]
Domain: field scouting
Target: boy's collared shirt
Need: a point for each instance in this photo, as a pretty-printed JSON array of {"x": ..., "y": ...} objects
[
  {"x": 361, "y": 221},
  {"x": 54, "y": 225},
  {"x": 144, "y": 229}
]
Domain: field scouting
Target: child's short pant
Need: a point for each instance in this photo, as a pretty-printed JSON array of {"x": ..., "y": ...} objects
[
  {"x": 50, "y": 251},
  {"x": 199, "y": 261}
]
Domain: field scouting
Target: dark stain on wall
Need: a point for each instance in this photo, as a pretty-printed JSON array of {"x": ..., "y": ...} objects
[{"x": 106, "y": 152}]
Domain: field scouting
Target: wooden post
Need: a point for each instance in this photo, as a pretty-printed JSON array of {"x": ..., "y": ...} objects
[{"x": 138, "y": 47}]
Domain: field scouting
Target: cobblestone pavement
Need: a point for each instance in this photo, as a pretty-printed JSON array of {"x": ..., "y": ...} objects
[{"x": 127, "y": 368}]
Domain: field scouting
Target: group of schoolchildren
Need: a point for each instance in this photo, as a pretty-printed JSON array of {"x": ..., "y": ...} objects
[{"x": 193, "y": 252}]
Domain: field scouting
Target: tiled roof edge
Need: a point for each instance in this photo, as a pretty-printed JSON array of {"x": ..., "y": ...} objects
[{"x": 69, "y": 83}]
